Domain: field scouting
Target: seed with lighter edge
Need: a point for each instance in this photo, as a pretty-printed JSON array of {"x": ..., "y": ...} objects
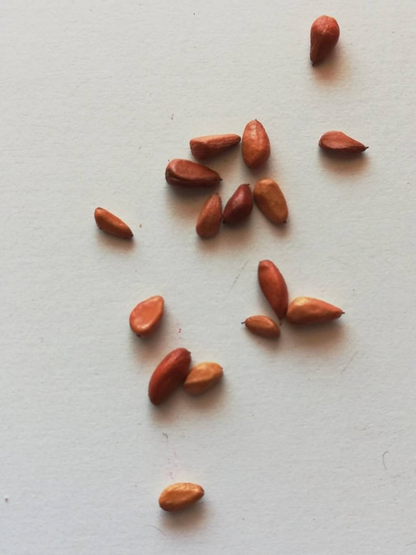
[
  {"x": 202, "y": 377},
  {"x": 179, "y": 496},
  {"x": 263, "y": 326}
]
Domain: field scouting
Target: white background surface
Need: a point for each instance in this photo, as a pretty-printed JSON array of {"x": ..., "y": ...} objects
[{"x": 309, "y": 445}]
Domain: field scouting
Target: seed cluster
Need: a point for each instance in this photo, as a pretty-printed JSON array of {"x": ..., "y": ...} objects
[{"x": 175, "y": 368}]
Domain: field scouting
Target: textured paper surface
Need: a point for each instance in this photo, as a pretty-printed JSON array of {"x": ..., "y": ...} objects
[{"x": 309, "y": 445}]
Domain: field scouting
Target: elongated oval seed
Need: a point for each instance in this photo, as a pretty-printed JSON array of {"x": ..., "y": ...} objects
[
  {"x": 146, "y": 315},
  {"x": 209, "y": 219},
  {"x": 202, "y": 377},
  {"x": 271, "y": 201},
  {"x": 180, "y": 495},
  {"x": 274, "y": 287},
  {"x": 262, "y": 325},
  {"x": 336, "y": 141},
  {"x": 111, "y": 224},
  {"x": 211, "y": 145},
  {"x": 168, "y": 375},
  {"x": 190, "y": 174},
  {"x": 255, "y": 144},
  {"x": 307, "y": 310}
]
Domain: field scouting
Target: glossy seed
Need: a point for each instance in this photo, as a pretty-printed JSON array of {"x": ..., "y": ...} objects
[
  {"x": 274, "y": 287},
  {"x": 239, "y": 206},
  {"x": 146, "y": 315},
  {"x": 168, "y": 375}
]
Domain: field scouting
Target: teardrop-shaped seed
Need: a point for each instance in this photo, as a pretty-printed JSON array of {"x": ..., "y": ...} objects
[
  {"x": 239, "y": 206},
  {"x": 111, "y": 224},
  {"x": 146, "y": 315},
  {"x": 307, "y": 310},
  {"x": 336, "y": 141}
]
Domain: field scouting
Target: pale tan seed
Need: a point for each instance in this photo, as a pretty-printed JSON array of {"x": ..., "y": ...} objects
[
  {"x": 202, "y": 377},
  {"x": 263, "y": 326},
  {"x": 271, "y": 201},
  {"x": 179, "y": 496},
  {"x": 146, "y": 315},
  {"x": 307, "y": 310}
]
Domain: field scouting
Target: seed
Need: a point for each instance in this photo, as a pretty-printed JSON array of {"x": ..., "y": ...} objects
[
  {"x": 190, "y": 174},
  {"x": 271, "y": 201},
  {"x": 324, "y": 37},
  {"x": 169, "y": 374},
  {"x": 306, "y": 310},
  {"x": 210, "y": 145},
  {"x": 239, "y": 205},
  {"x": 109, "y": 223},
  {"x": 202, "y": 377},
  {"x": 255, "y": 144},
  {"x": 274, "y": 287},
  {"x": 209, "y": 219},
  {"x": 146, "y": 315},
  {"x": 337, "y": 141},
  {"x": 262, "y": 325},
  {"x": 179, "y": 496}
]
